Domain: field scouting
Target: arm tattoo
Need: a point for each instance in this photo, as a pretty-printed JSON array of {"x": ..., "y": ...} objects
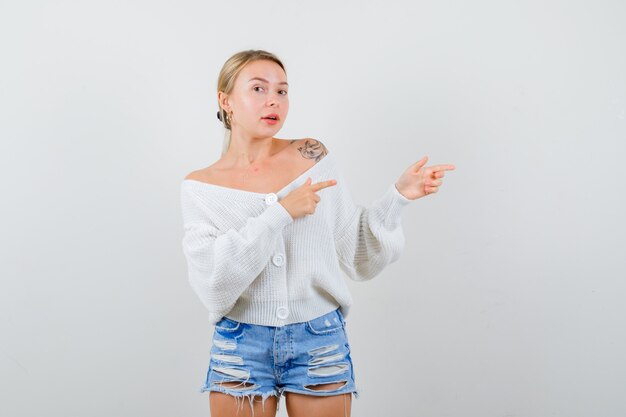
[{"x": 313, "y": 149}]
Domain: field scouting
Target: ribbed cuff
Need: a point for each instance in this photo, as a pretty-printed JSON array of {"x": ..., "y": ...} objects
[
  {"x": 276, "y": 216},
  {"x": 392, "y": 203},
  {"x": 400, "y": 196}
]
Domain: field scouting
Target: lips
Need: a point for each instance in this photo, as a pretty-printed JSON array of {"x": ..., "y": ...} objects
[{"x": 272, "y": 116}]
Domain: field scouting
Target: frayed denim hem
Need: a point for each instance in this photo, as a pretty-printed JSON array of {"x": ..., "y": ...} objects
[
  {"x": 238, "y": 394},
  {"x": 322, "y": 393}
]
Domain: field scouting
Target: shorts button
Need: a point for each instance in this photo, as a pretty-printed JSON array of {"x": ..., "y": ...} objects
[
  {"x": 282, "y": 312},
  {"x": 278, "y": 259},
  {"x": 271, "y": 198}
]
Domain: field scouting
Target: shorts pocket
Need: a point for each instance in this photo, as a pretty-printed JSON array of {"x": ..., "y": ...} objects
[
  {"x": 327, "y": 324},
  {"x": 228, "y": 328}
]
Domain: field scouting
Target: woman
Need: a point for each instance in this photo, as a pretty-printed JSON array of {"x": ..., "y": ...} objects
[{"x": 268, "y": 229}]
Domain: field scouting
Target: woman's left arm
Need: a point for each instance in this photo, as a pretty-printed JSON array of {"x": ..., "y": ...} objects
[{"x": 367, "y": 239}]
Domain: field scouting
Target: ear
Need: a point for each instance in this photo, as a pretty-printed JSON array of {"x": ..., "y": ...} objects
[{"x": 222, "y": 98}]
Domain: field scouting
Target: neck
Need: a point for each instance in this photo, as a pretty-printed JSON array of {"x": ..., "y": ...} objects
[{"x": 246, "y": 150}]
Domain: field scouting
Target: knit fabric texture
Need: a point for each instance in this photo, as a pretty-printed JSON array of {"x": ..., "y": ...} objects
[{"x": 250, "y": 261}]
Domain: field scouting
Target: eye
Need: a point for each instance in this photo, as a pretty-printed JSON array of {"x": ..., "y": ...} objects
[
  {"x": 284, "y": 91},
  {"x": 255, "y": 88}
]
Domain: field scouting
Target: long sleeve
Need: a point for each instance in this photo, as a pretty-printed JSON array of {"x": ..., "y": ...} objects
[
  {"x": 222, "y": 265},
  {"x": 368, "y": 238}
]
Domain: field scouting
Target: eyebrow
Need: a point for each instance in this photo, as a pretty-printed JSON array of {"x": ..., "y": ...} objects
[{"x": 264, "y": 80}]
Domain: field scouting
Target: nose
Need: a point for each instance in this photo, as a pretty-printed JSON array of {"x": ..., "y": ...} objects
[{"x": 272, "y": 99}]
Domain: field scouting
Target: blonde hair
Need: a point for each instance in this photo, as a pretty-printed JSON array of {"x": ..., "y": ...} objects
[{"x": 228, "y": 74}]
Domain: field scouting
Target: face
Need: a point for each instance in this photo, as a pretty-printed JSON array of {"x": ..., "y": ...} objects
[{"x": 260, "y": 91}]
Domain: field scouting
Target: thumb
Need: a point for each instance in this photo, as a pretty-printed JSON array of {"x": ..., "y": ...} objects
[{"x": 419, "y": 164}]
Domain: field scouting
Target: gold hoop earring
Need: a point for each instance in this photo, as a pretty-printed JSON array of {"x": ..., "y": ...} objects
[{"x": 229, "y": 117}]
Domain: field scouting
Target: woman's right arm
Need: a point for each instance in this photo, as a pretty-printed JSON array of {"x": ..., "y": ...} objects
[{"x": 222, "y": 265}]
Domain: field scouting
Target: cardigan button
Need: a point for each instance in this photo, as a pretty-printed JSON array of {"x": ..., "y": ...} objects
[
  {"x": 271, "y": 198},
  {"x": 282, "y": 312},
  {"x": 278, "y": 259}
]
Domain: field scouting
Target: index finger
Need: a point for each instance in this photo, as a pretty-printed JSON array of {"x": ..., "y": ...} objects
[
  {"x": 323, "y": 184},
  {"x": 443, "y": 167}
]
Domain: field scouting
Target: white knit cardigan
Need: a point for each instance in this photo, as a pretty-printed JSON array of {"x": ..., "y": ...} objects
[{"x": 249, "y": 260}]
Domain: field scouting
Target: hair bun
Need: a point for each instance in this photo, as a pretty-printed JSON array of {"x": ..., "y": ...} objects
[{"x": 219, "y": 115}]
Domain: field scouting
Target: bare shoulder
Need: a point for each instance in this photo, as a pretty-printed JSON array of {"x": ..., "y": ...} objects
[
  {"x": 203, "y": 174},
  {"x": 310, "y": 148}
]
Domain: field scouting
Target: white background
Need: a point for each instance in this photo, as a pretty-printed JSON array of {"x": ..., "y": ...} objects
[{"x": 509, "y": 298}]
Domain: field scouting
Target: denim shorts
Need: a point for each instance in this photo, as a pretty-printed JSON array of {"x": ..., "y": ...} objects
[{"x": 269, "y": 360}]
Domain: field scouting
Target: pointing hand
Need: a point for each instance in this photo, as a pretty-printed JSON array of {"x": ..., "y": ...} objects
[{"x": 418, "y": 180}]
